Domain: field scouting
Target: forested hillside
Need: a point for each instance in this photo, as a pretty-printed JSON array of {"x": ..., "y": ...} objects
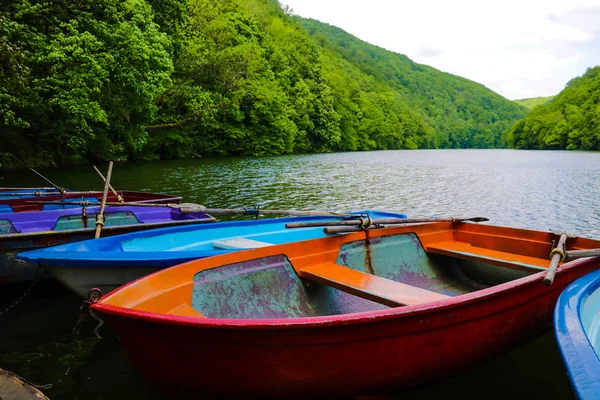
[
  {"x": 570, "y": 121},
  {"x": 534, "y": 101},
  {"x": 143, "y": 79},
  {"x": 464, "y": 114}
]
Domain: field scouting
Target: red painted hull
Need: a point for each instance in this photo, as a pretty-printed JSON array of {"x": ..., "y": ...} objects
[
  {"x": 342, "y": 355},
  {"x": 24, "y": 204}
]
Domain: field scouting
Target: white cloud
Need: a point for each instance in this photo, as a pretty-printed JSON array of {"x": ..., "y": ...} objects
[{"x": 519, "y": 48}]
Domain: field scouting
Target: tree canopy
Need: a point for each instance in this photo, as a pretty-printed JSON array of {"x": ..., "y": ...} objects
[
  {"x": 570, "y": 121},
  {"x": 144, "y": 79}
]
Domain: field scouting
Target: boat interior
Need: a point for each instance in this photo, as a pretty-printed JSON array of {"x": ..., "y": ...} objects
[{"x": 348, "y": 273}]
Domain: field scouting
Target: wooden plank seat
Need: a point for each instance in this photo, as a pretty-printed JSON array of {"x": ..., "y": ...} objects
[
  {"x": 185, "y": 310},
  {"x": 465, "y": 251},
  {"x": 240, "y": 243},
  {"x": 367, "y": 286}
]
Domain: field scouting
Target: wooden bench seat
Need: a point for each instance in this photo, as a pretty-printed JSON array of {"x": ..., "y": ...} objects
[
  {"x": 367, "y": 286},
  {"x": 464, "y": 250},
  {"x": 185, "y": 310},
  {"x": 240, "y": 243}
]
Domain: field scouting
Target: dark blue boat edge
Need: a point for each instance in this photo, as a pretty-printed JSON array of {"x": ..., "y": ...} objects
[{"x": 578, "y": 355}]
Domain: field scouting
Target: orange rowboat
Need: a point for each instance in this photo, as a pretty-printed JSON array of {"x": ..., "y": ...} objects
[{"x": 347, "y": 315}]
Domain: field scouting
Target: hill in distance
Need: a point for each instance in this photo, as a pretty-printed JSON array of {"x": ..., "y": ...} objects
[
  {"x": 463, "y": 113},
  {"x": 532, "y": 102},
  {"x": 570, "y": 121}
]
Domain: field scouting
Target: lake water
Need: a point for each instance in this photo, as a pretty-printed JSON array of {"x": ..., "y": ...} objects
[{"x": 529, "y": 189}]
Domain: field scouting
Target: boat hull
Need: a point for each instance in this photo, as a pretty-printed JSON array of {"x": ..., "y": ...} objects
[
  {"x": 13, "y": 270},
  {"x": 361, "y": 354},
  {"x": 81, "y": 280},
  {"x": 8, "y": 205}
]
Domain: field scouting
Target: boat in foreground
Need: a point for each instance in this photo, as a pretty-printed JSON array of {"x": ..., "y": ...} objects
[
  {"x": 111, "y": 262},
  {"x": 349, "y": 315},
  {"x": 576, "y": 323},
  {"x": 36, "y": 230}
]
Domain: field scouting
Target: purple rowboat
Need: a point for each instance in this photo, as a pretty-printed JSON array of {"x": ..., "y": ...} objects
[{"x": 34, "y": 230}]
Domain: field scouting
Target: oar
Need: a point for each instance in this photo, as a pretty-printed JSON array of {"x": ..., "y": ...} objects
[
  {"x": 48, "y": 194},
  {"x": 191, "y": 207},
  {"x": 35, "y": 194},
  {"x": 112, "y": 189},
  {"x": 60, "y": 189},
  {"x": 100, "y": 216},
  {"x": 366, "y": 222},
  {"x": 556, "y": 256},
  {"x": 573, "y": 254}
]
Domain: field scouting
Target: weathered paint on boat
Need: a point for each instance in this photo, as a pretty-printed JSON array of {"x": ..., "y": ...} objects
[
  {"x": 310, "y": 319},
  {"x": 576, "y": 323},
  {"x": 111, "y": 262},
  {"x": 22, "y": 204},
  {"x": 35, "y": 230}
]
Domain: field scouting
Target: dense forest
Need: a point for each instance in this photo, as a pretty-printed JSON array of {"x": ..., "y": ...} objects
[
  {"x": 570, "y": 121},
  {"x": 462, "y": 113},
  {"x": 146, "y": 79},
  {"x": 533, "y": 102}
]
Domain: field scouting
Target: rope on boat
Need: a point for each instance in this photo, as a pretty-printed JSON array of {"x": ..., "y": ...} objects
[
  {"x": 21, "y": 297},
  {"x": 556, "y": 256},
  {"x": 365, "y": 223},
  {"x": 558, "y": 251},
  {"x": 100, "y": 220}
]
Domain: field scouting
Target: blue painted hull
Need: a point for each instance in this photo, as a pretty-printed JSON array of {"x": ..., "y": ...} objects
[
  {"x": 171, "y": 246},
  {"x": 113, "y": 261},
  {"x": 577, "y": 330},
  {"x": 33, "y": 230}
]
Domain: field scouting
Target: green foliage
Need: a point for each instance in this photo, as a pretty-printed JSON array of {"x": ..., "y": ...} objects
[
  {"x": 462, "y": 113},
  {"x": 146, "y": 79},
  {"x": 570, "y": 121},
  {"x": 533, "y": 102},
  {"x": 90, "y": 75}
]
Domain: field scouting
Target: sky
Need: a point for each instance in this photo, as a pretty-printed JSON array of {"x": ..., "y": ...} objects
[{"x": 518, "y": 48}]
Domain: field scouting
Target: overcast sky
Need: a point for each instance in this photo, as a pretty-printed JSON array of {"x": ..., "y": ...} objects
[{"x": 518, "y": 48}]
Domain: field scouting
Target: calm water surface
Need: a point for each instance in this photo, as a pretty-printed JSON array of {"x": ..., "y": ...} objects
[{"x": 536, "y": 190}]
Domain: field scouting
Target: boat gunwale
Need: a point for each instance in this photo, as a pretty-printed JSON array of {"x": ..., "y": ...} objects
[
  {"x": 576, "y": 350},
  {"x": 139, "y": 226},
  {"x": 49, "y": 256},
  {"x": 340, "y": 319}
]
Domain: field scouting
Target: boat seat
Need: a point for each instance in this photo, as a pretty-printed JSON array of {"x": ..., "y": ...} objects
[
  {"x": 239, "y": 243},
  {"x": 185, "y": 310},
  {"x": 465, "y": 251},
  {"x": 368, "y": 286}
]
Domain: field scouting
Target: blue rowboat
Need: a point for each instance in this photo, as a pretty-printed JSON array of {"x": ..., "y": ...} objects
[
  {"x": 38, "y": 229},
  {"x": 7, "y": 193},
  {"x": 577, "y": 329},
  {"x": 111, "y": 262}
]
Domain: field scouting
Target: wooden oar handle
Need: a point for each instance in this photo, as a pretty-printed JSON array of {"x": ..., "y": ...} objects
[
  {"x": 557, "y": 255},
  {"x": 112, "y": 189},
  {"x": 583, "y": 253},
  {"x": 359, "y": 220},
  {"x": 59, "y": 188},
  {"x": 345, "y": 229},
  {"x": 100, "y": 216}
]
